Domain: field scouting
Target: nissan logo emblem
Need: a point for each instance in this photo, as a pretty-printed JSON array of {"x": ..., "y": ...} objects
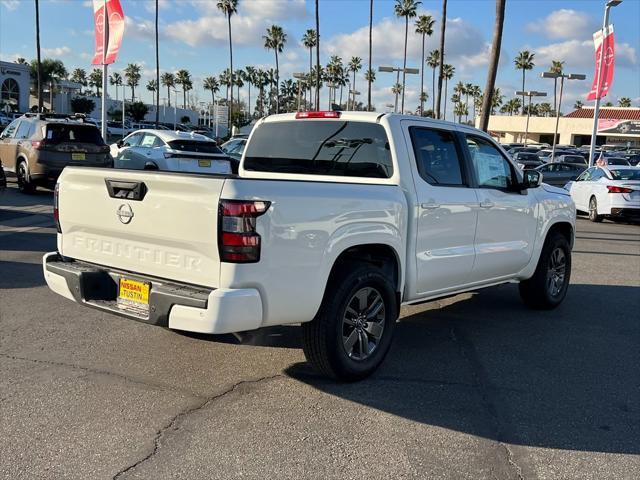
[{"x": 125, "y": 214}]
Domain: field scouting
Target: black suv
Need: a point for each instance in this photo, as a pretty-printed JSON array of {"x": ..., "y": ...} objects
[{"x": 36, "y": 147}]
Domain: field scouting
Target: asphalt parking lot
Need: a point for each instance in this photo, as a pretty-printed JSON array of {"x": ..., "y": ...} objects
[{"x": 475, "y": 386}]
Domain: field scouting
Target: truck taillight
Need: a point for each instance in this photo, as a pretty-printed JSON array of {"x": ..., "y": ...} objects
[
  {"x": 238, "y": 241},
  {"x": 615, "y": 189},
  {"x": 56, "y": 211}
]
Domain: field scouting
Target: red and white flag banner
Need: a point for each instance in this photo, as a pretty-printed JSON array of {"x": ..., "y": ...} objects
[
  {"x": 604, "y": 46},
  {"x": 115, "y": 30}
]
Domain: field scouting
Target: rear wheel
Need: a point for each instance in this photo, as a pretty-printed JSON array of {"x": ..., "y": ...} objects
[
  {"x": 548, "y": 286},
  {"x": 352, "y": 332},
  {"x": 593, "y": 211},
  {"x": 25, "y": 185}
]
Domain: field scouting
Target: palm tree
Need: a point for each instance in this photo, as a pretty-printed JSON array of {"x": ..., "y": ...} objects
[
  {"x": 132, "y": 74},
  {"x": 239, "y": 82},
  {"x": 211, "y": 84},
  {"x": 21, "y": 61},
  {"x": 468, "y": 88},
  {"x": 424, "y": 96},
  {"x": 354, "y": 66},
  {"x": 275, "y": 40},
  {"x": 310, "y": 40},
  {"x": 424, "y": 26},
  {"x": 406, "y": 9},
  {"x": 443, "y": 25},
  {"x": 249, "y": 77},
  {"x": 79, "y": 75},
  {"x": 544, "y": 109},
  {"x": 369, "y": 70},
  {"x": 168, "y": 80},
  {"x": 448, "y": 71},
  {"x": 608, "y": 104},
  {"x": 261, "y": 82},
  {"x": 493, "y": 64},
  {"x": 157, "y": 81},
  {"x": 152, "y": 86},
  {"x": 624, "y": 102},
  {"x": 433, "y": 60},
  {"x": 578, "y": 105},
  {"x": 475, "y": 93},
  {"x": 115, "y": 79},
  {"x": 556, "y": 67},
  {"x": 229, "y": 7},
  {"x": 524, "y": 62},
  {"x": 396, "y": 89},
  {"x": 183, "y": 77},
  {"x": 95, "y": 80},
  {"x": 39, "y": 63},
  {"x": 496, "y": 99},
  {"x": 460, "y": 109},
  {"x": 225, "y": 79}
]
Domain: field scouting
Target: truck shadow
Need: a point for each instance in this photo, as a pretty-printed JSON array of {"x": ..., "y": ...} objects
[{"x": 487, "y": 366}]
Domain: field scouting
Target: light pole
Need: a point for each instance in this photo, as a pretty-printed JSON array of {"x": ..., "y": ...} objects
[
  {"x": 531, "y": 93},
  {"x": 175, "y": 107},
  {"x": 561, "y": 76},
  {"x": 413, "y": 71},
  {"x": 299, "y": 76},
  {"x": 596, "y": 109}
]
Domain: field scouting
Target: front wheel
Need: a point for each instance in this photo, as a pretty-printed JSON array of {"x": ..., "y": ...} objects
[
  {"x": 548, "y": 286},
  {"x": 352, "y": 332}
]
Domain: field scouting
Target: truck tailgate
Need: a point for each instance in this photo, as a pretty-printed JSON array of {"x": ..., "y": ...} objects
[{"x": 170, "y": 231}]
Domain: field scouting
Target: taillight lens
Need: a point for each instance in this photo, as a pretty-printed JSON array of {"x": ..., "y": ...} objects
[
  {"x": 38, "y": 144},
  {"x": 238, "y": 240},
  {"x": 56, "y": 210},
  {"x": 615, "y": 189}
]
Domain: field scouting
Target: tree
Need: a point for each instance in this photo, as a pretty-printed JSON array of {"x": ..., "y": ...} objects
[
  {"x": 82, "y": 105},
  {"x": 115, "y": 79},
  {"x": 310, "y": 40},
  {"x": 406, "y": 9},
  {"x": 51, "y": 71},
  {"x": 355, "y": 64},
  {"x": 370, "y": 78},
  {"x": 239, "y": 82},
  {"x": 136, "y": 110},
  {"x": 424, "y": 26},
  {"x": 229, "y": 7},
  {"x": 132, "y": 75},
  {"x": 183, "y": 78},
  {"x": 249, "y": 77},
  {"x": 544, "y": 109},
  {"x": 433, "y": 60},
  {"x": 556, "y": 67},
  {"x": 152, "y": 86},
  {"x": 211, "y": 84},
  {"x": 79, "y": 75},
  {"x": 496, "y": 46},
  {"x": 524, "y": 62},
  {"x": 475, "y": 93},
  {"x": 21, "y": 61},
  {"x": 608, "y": 104},
  {"x": 512, "y": 106},
  {"x": 396, "y": 89},
  {"x": 578, "y": 105},
  {"x": 496, "y": 100},
  {"x": 448, "y": 71},
  {"x": 441, "y": 58},
  {"x": 275, "y": 40},
  {"x": 95, "y": 80},
  {"x": 624, "y": 102},
  {"x": 460, "y": 109},
  {"x": 168, "y": 80},
  {"x": 261, "y": 81}
]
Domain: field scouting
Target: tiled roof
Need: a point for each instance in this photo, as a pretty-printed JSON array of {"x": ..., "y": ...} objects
[{"x": 607, "y": 113}]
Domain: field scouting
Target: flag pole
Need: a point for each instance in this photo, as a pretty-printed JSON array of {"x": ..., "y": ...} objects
[{"x": 105, "y": 40}]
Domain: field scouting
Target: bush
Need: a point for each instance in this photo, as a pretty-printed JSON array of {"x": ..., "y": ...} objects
[
  {"x": 82, "y": 105},
  {"x": 137, "y": 111},
  {"x": 185, "y": 119}
]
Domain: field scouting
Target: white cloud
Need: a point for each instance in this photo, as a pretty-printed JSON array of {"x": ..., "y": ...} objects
[
  {"x": 580, "y": 54},
  {"x": 139, "y": 28},
  {"x": 57, "y": 51},
  {"x": 564, "y": 23},
  {"x": 11, "y": 5}
]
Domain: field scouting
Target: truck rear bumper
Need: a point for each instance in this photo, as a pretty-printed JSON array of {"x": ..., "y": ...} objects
[{"x": 172, "y": 305}]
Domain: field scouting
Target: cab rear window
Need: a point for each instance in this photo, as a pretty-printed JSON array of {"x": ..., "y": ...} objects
[
  {"x": 60, "y": 133},
  {"x": 312, "y": 147}
]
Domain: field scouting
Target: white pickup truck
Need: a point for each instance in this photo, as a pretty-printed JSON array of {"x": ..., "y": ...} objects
[{"x": 334, "y": 220}]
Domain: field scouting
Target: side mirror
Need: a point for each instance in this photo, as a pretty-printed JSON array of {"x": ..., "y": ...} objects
[
  {"x": 120, "y": 143},
  {"x": 532, "y": 179}
]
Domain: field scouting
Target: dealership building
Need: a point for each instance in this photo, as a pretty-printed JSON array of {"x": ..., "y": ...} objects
[
  {"x": 616, "y": 126},
  {"x": 14, "y": 87}
]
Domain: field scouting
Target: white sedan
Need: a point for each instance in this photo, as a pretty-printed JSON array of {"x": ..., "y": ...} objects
[
  {"x": 612, "y": 191},
  {"x": 172, "y": 151}
]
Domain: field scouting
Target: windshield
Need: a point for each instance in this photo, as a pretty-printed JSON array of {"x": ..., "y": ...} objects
[
  {"x": 62, "y": 133},
  {"x": 324, "y": 147},
  {"x": 195, "y": 146},
  {"x": 625, "y": 174}
]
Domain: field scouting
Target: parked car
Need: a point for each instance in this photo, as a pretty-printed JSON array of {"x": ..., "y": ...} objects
[
  {"x": 570, "y": 158},
  {"x": 5, "y": 120},
  {"x": 234, "y": 148},
  {"x": 612, "y": 191},
  {"x": 559, "y": 174},
  {"x": 527, "y": 160},
  {"x": 632, "y": 158},
  {"x": 171, "y": 151},
  {"x": 334, "y": 220},
  {"x": 613, "y": 161},
  {"x": 37, "y": 147}
]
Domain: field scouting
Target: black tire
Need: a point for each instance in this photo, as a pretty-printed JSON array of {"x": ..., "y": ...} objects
[
  {"x": 593, "y": 211},
  {"x": 544, "y": 291},
  {"x": 22, "y": 175},
  {"x": 325, "y": 338}
]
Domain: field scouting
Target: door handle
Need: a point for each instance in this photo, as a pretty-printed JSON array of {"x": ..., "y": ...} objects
[
  {"x": 430, "y": 205},
  {"x": 487, "y": 204}
]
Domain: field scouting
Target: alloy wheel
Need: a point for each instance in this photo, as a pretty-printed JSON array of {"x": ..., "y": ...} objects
[
  {"x": 363, "y": 323},
  {"x": 556, "y": 272}
]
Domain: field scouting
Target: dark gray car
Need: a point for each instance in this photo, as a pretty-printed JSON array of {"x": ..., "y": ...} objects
[{"x": 558, "y": 174}]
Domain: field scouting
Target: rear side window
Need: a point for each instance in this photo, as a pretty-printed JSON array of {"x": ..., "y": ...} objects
[
  {"x": 60, "y": 133},
  {"x": 10, "y": 130},
  {"x": 25, "y": 130},
  {"x": 437, "y": 156},
  {"x": 320, "y": 147},
  {"x": 195, "y": 146}
]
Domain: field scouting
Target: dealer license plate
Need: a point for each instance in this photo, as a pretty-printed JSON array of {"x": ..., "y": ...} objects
[
  {"x": 204, "y": 163},
  {"x": 78, "y": 156},
  {"x": 134, "y": 296}
]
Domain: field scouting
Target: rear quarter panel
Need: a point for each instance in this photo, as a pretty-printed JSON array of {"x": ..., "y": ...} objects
[{"x": 308, "y": 225}]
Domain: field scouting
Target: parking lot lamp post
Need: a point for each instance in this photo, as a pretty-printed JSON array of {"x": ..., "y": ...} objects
[
  {"x": 561, "y": 76},
  {"x": 596, "y": 109},
  {"x": 175, "y": 108},
  {"x": 531, "y": 93},
  {"x": 299, "y": 76},
  {"x": 413, "y": 71}
]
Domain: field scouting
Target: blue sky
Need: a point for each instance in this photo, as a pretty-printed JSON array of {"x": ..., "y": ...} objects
[{"x": 194, "y": 36}]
